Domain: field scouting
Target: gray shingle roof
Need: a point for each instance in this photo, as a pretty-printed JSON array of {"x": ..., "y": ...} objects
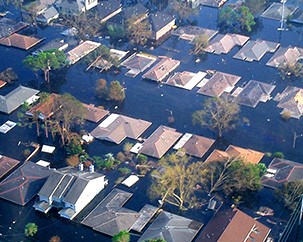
[
  {"x": 171, "y": 228},
  {"x": 15, "y": 98},
  {"x": 109, "y": 217},
  {"x": 159, "y": 20}
]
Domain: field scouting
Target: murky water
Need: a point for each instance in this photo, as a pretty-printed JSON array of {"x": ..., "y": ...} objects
[{"x": 148, "y": 100}]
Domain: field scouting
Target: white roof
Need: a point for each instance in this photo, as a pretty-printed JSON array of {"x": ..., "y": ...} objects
[
  {"x": 7, "y": 126},
  {"x": 182, "y": 141},
  {"x": 135, "y": 149},
  {"x": 43, "y": 163},
  {"x": 109, "y": 120},
  {"x": 131, "y": 180},
  {"x": 48, "y": 149}
]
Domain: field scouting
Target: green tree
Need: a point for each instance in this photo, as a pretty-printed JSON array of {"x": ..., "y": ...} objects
[
  {"x": 138, "y": 31},
  {"x": 46, "y": 61},
  {"x": 181, "y": 9},
  {"x": 200, "y": 43},
  {"x": 70, "y": 113},
  {"x": 122, "y": 236},
  {"x": 230, "y": 176},
  {"x": 176, "y": 181},
  {"x": 236, "y": 20},
  {"x": 116, "y": 92},
  {"x": 30, "y": 229},
  {"x": 218, "y": 114},
  {"x": 291, "y": 70},
  {"x": 102, "y": 88},
  {"x": 115, "y": 32},
  {"x": 290, "y": 193}
]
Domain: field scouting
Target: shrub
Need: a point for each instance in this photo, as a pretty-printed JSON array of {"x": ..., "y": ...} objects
[
  {"x": 142, "y": 158},
  {"x": 278, "y": 154},
  {"x": 30, "y": 229},
  {"x": 125, "y": 171},
  {"x": 121, "y": 157},
  {"x": 72, "y": 160}
]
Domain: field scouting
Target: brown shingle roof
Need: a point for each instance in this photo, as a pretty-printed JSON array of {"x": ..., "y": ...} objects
[
  {"x": 233, "y": 225},
  {"x": 117, "y": 127},
  {"x": 45, "y": 108},
  {"x": 20, "y": 41},
  {"x": 6, "y": 164},
  {"x": 160, "y": 141},
  {"x": 197, "y": 145},
  {"x": 220, "y": 82},
  {"x": 94, "y": 114},
  {"x": 162, "y": 69},
  {"x": 217, "y": 155},
  {"x": 248, "y": 155},
  {"x": 224, "y": 43}
]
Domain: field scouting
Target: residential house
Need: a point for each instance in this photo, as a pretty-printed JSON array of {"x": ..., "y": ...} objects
[
  {"x": 94, "y": 114},
  {"x": 254, "y": 92},
  {"x": 16, "y": 98},
  {"x": 297, "y": 16},
  {"x": 162, "y": 69},
  {"x": 138, "y": 10},
  {"x": 194, "y": 145},
  {"x": 224, "y": 43},
  {"x": 162, "y": 24},
  {"x": 117, "y": 127},
  {"x": 255, "y": 50},
  {"x": 191, "y": 32},
  {"x": 280, "y": 171},
  {"x": 160, "y": 141},
  {"x": 20, "y": 41},
  {"x": 289, "y": 55},
  {"x": 75, "y": 7},
  {"x": 48, "y": 15},
  {"x": 185, "y": 79},
  {"x": 108, "y": 9},
  {"x": 171, "y": 228},
  {"x": 46, "y": 108},
  {"x": 24, "y": 183},
  {"x": 109, "y": 216},
  {"x": 70, "y": 190},
  {"x": 7, "y": 164},
  {"x": 218, "y": 84},
  {"x": 56, "y": 44},
  {"x": 233, "y": 225},
  {"x": 10, "y": 26},
  {"x": 81, "y": 50},
  {"x": 213, "y": 3},
  {"x": 247, "y": 155},
  {"x": 277, "y": 10},
  {"x": 291, "y": 100},
  {"x": 137, "y": 63}
]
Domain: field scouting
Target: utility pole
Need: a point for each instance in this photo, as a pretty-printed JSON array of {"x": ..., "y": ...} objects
[
  {"x": 283, "y": 17},
  {"x": 295, "y": 139}
]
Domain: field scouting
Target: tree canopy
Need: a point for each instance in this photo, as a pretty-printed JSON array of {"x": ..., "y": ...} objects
[
  {"x": 122, "y": 236},
  {"x": 138, "y": 30},
  {"x": 116, "y": 92},
  {"x": 175, "y": 183},
  {"x": 291, "y": 70},
  {"x": 218, "y": 114},
  {"x": 200, "y": 43},
  {"x": 46, "y": 61},
  {"x": 231, "y": 175},
  {"x": 236, "y": 20},
  {"x": 290, "y": 193},
  {"x": 30, "y": 229}
]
